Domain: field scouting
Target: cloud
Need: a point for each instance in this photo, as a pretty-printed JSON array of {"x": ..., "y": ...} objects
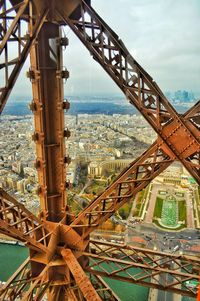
[{"x": 162, "y": 35}]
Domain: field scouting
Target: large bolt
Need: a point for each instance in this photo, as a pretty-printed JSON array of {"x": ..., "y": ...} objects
[
  {"x": 67, "y": 160},
  {"x": 37, "y": 164},
  {"x": 64, "y": 41},
  {"x": 30, "y": 74},
  {"x": 65, "y": 74},
  {"x": 67, "y": 133},
  {"x": 66, "y": 105},
  {"x": 35, "y": 137},
  {"x": 32, "y": 106}
]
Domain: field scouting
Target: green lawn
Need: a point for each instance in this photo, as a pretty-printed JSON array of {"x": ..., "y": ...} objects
[
  {"x": 158, "y": 207},
  {"x": 182, "y": 211}
]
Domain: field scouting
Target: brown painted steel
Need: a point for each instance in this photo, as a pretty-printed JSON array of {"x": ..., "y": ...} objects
[
  {"x": 16, "y": 221},
  {"x": 80, "y": 277},
  {"x": 23, "y": 51},
  {"x": 155, "y": 160},
  {"x": 118, "y": 261},
  {"x": 137, "y": 176},
  {"x": 140, "y": 89},
  {"x": 59, "y": 246},
  {"x": 48, "y": 109}
]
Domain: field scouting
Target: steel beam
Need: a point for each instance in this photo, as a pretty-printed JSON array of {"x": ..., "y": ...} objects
[
  {"x": 140, "y": 89},
  {"x": 23, "y": 50},
  {"x": 48, "y": 107},
  {"x": 134, "y": 178},
  {"x": 52, "y": 265},
  {"x": 80, "y": 277},
  {"x": 18, "y": 222},
  {"x": 142, "y": 266},
  {"x": 103, "y": 289}
]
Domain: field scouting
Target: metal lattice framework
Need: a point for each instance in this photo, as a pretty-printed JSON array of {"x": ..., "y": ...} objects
[{"x": 64, "y": 263}]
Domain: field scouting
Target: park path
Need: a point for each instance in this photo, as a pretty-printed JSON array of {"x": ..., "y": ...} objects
[
  {"x": 189, "y": 211},
  {"x": 152, "y": 202}
]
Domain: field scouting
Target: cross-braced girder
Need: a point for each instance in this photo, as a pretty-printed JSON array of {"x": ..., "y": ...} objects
[
  {"x": 137, "y": 176},
  {"x": 15, "y": 33},
  {"x": 140, "y": 89},
  {"x": 59, "y": 243},
  {"x": 19, "y": 223},
  {"x": 154, "y": 269}
]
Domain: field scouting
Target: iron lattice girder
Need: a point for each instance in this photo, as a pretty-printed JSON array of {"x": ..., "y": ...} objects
[
  {"x": 137, "y": 176},
  {"x": 125, "y": 263},
  {"x": 119, "y": 262},
  {"x": 49, "y": 135},
  {"x": 18, "y": 222},
  {"x": 26, "y": 287},
  {"x": 103, "y": 289},
  {"x": 15, "y": 33},
  {"x": 22, "y": 285},
  {"x": 137, "y": 85},
  {"x": 105, "y": 259},
  {"x": 80, "y": 277}
]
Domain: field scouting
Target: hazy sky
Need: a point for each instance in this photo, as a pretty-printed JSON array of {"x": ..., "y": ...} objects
[{"x": 162, "y": 35}]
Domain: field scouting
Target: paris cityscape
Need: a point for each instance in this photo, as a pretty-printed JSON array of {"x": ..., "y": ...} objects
[{"x": 164, "y": 216}]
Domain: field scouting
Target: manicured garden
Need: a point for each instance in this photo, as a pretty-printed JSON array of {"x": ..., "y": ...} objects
[{"x": 170, "y": 213}]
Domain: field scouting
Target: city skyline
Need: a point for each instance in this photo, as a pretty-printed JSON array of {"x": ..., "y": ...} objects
[{"x": 163, "y": 38}]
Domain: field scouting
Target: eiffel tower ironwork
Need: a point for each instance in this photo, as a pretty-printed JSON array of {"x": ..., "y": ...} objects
[{"x": 64, "y": 262}]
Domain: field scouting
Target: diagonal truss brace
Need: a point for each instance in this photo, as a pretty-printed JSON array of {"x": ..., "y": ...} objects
[
  {"x": 22, "y": 285},
  {"x": 148, "y": 159},
  {"x": 18, "y": 62},
  {"x": 80, "y": 277},
  {"x": 18, "y": 222},
  {"x": 145, "y": 267},
  {"x": 137, "y": 176},
  {"x": 11, "y": 30},
  {"x": 137, "y": 85},
  {"x": 102, "y": 288}
]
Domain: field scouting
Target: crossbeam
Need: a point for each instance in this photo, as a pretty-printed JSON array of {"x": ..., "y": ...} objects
[
  {"x": 146, "y": 267},
  {"x": 19, "y": 223},
  {"x": 140, "y": 89},
  {"x": 12, "y": 66},
  {"x": 138, "y": 175}
]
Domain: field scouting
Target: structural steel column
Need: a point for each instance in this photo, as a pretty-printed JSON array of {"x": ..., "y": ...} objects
[{"x": 46, "y": 75}]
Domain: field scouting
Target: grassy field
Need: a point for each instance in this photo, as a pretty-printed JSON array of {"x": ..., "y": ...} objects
[
  {"x": 158, "y": 207},
  {"x": 182, "y": 211}
]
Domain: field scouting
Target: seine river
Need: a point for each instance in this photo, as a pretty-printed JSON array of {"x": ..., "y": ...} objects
[{"x": 11, "y": 256}]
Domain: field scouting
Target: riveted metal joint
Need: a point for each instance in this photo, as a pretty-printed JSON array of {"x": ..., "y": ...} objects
[
  {"x": 64, "y": 41},
  {"x": 37, "y": 164},
  {"x": 39, "y": 190},
  {"x": 67, "y": 133},
  {"x": 35, "y": 137},
  {"x": 67, "y": 160},
  {"x": 30, "y": 74},
  {"x": 66, "y": 105},
  {"x": 33, "y": 106},
  {"x": 65, "y": 74}
]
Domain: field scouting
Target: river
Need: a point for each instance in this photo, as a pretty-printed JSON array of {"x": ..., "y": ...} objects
[{"x": 11, "y": 256}]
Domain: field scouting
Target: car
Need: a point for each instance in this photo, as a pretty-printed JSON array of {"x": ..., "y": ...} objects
[{"x": 176, "y": 248}]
